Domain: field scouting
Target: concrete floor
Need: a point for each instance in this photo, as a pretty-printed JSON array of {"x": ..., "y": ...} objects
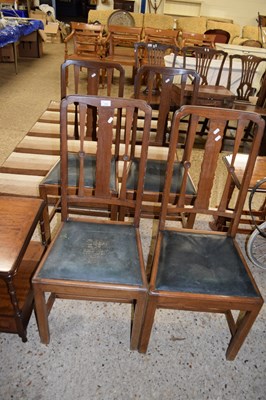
[{"x": 88, "y": 356}]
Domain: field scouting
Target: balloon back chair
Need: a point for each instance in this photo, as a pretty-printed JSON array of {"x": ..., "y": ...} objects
[
  {"x": 198, "y": 269},
  {"x": 96, "y": 258}
]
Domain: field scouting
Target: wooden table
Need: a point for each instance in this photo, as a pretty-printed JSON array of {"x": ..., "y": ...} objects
[
  {"x": 208, "y": 95},
  {"x": 19, "y": 257}
]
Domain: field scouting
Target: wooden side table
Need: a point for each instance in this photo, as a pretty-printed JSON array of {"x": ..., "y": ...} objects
[{"x": 19, "y": 257}]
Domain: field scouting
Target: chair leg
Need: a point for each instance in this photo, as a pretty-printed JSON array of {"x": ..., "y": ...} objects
[
  {"x": 41, "y": 313},
  {"x": 147, "y": 324},
  {"x": 243, "y": 326},
  {"x": 139, "y": 309}
]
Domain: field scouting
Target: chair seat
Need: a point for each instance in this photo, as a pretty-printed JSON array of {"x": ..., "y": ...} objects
[
  {"x": 155, "y": 177},
  {"x": 92, "y": 252},
  {"x": 200, "y": 266},
  {"x": 53, "y": 178}
]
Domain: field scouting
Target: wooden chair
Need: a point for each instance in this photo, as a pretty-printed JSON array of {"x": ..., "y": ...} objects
[
  {"x": 90, "y": 258},
  {"x": 249, "y": 64},
  {"x": 197, "y": 269},
  {"x": 191, "y": 39},
  {"x": 87, "y": 41},
  {"x": 153, "y": 53},
  {"x": 221, "y": 36},
  {"x": 159, "y": 93},
  {"x": 50, "y": 188},
  {"x": 237, "y": 169},
  {"x": 121, "y": 41},
  {"x": 166, "y": 36},
  {"x": 245, "y": 89},
  {"x": 156, "y": 168},
  {"x": 204, "y": 57}
]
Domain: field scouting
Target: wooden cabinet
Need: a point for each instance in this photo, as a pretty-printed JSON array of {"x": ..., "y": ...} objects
[{"x": 19, "y": 257}]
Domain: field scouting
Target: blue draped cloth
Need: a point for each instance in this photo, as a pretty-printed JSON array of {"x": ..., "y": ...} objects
[{"x": 11, "y": 34}]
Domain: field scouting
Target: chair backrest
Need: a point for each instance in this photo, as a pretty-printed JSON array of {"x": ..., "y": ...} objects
[
  {"x": 197, "y": 39},
  {"x": 159, "y": 88},
  {"x": 87, "y": 38},
  {"x": 166, "y": 36},
  {"x": 261, "y": 101},
  {"x": 94, "y": 71},
  {"x": 204, "y": 56},
  {"x": 121, "y": 37},
  {"x": 212, "y": 184},
  {"x": 249, "y": 65},
  {"x": 221, "y": 36},
  {"x": 153, "y": 53},
  {"x": 105, "y": 182}
]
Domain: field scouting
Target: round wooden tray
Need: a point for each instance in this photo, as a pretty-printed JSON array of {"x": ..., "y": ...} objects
[{"x": 121, "y": 17}]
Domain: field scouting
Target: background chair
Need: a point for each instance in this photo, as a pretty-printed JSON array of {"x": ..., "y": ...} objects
[
  {"x": 50, "y": 186},
  {"x": 156, "y": 168},
  {"x": 120, "y": 41},
  {"x": 204, "y": 58},
  {"x": 249, "y": 66},
  {"x": 153, "y": 53},
  {"x": 245, "y": 88},
  {"x": 166, "y": 36},
  {"x": 159, "y": 92},
  {"x": 96, "y": 259},
  {"x": 87, "y": 42},
  {"x": 196, "y": 269},
  {"x": 221, "y": 36},
  {"x": 197, "y": 39}
]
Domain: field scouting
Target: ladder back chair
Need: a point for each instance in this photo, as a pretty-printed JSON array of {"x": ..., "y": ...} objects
[
  {"x": 120, "y": 41},
  {"x": 198, "y": 39},
  {"x": 97, "y": 259},
  {"x": 197, "y": 269},
  {"x": 50, "y": 188},
  {"x": 87, "y": 42},
  {"x": 166, "y": 36}
]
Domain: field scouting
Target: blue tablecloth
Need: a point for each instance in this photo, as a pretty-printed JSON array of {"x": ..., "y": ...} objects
[{"x": 11, "y": 34}]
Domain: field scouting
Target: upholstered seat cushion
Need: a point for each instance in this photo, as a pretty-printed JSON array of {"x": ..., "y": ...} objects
[
  {"x": 196, "y": 263},
  {"x": 155, "y": 177},
  {"x": 91, "y": 252},
  {"x": 53, "y": 177}
]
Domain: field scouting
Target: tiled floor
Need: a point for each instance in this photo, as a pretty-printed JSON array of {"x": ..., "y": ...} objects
[{"x": 88, "y": 356}]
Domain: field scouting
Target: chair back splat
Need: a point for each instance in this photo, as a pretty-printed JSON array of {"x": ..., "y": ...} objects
[
  {"x": 160, "y": 93},
  {"x": 249, "y": 66},
  {"x": 99, "y": 258},
  {"x": 204, "y": 57},
  {"x": 153, "y": 53},
  {"x": 196, "y": 269}
]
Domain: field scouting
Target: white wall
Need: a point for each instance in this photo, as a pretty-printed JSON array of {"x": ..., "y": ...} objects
[{"x": 243, "y": 12}]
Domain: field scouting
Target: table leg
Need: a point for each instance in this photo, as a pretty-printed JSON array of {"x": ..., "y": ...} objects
[{"x": 15, "y": 52}]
